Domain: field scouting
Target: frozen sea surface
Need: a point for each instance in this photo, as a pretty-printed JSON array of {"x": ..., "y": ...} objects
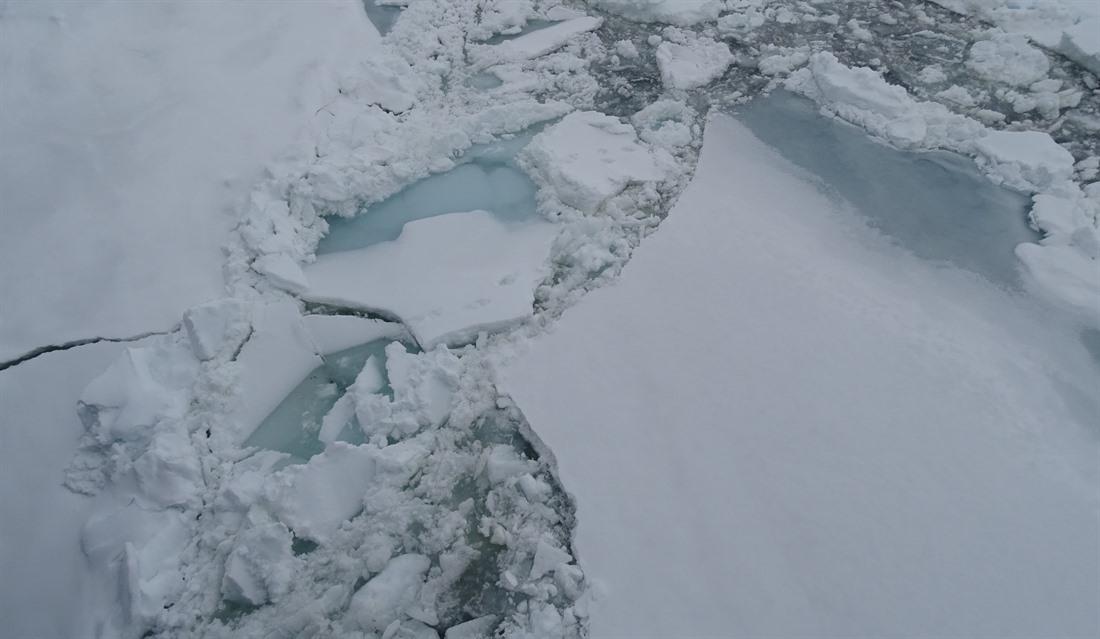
[{"x": 936, "y": 204}]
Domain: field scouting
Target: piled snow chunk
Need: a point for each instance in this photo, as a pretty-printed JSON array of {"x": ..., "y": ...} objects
[
  {"x": 589, "y": 157},
  {"x": 216, "y": 327},
  {"x": 169, "y": 472},
  {"x": 316, "y": 497},
  {"x": 696, "y": 63},
  {"x": 260, "y": 567},
  {"x": 272, "y": 362},
  {"x": 143, "y": 387},
  {"x": 1008, "y": 58},
  {"x": 282, "y": 271},
  {"x": 385, "y": 598},
  {"x": 423, "y": 386},
  {"x": 1024, "y": 160},
  {"x": 534, "y": 44},
  {"x": 682, "y": 13},
  {"x": 447, "y": 277}
]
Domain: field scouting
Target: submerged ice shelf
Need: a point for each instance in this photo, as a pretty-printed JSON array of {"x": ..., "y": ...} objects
[{"x": 937, "y": 205}]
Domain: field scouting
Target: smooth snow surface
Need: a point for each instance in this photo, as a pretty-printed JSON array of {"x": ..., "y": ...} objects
[
  {"x": 937, "y": 205},
  {"x": 776, "y": 424},
  {"x": 126, "y": 146}
]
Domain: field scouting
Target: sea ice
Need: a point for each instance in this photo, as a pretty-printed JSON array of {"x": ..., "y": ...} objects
[
  {"x": 588, "y": 157},
  {"x": 880, "y": 438},
  {"x": 696, "y": 63},
  {"x": 937, "y": 205},
  {"x": 486, "y": 182},
  {"x": 384, "y": 599},
  {"x": 534, "y": 44},
  {"x": 447, "y": 277}
]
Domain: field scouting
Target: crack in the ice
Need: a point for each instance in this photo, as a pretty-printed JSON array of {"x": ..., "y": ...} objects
[{"x": 53, "y": 348}]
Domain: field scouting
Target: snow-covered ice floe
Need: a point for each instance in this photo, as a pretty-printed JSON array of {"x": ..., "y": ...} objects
[{"x": 907, "y": 395}]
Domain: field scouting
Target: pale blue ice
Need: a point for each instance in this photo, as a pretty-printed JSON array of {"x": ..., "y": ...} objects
[
  {"x": 937, "y": 205},
  {"x": 487, "y": 179}
]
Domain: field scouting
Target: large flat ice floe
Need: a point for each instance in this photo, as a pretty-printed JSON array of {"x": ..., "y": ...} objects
[
  {"x": 776, "y": 424},
  {"x": 447, "y": 277},
  {"x": 126, "y": 144}
]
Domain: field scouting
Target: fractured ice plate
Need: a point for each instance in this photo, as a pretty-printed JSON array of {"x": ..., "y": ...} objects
[{"x": 447, "y": 277}]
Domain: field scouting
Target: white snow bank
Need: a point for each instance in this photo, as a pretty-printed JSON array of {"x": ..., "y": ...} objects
[
  {"x": 682, "y": 13},
  {"x": 125, "y": 145},
  {"x": 447, "y": 277},
  {"x": 1008, "y": 58},
  {"x": 588, "y": 157},
  {"x": 810, "y": 433},
  {"x": 696, "y": 63},
  {"x": 534, "y": 44}
]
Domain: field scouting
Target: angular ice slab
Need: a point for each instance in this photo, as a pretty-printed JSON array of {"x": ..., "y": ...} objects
[
  {"x": 486, "y": 181},
  {"x": 937, "y": 205},
  {"x": 588, "y": 157},
  {"x": 447, "y": 277},
  {"x": 534, "y": 44}
]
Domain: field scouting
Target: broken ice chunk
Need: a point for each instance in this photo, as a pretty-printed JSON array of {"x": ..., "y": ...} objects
[
  {"x": 1024, "y": 160},
  {"x": 696, "y": 63},
  {"x": 283, "y": 271},
  {"x": 168, "y": 472},
  {"x": 534, "y": 44},
  {"x": 503, "y": 463},
  {"x": 316, "y": 497},
  {"x": 479, "y": 628},
  {"x": 589, "y": 157},
  {"x": 260, "y": 567},
  {"x": 383, "y": 599},
  {"x": 547, "y": 558},
  {"x": 273, "y": 362}
]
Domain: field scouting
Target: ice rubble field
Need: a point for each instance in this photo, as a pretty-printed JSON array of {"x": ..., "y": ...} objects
[{"x": 393, "y": 368}]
